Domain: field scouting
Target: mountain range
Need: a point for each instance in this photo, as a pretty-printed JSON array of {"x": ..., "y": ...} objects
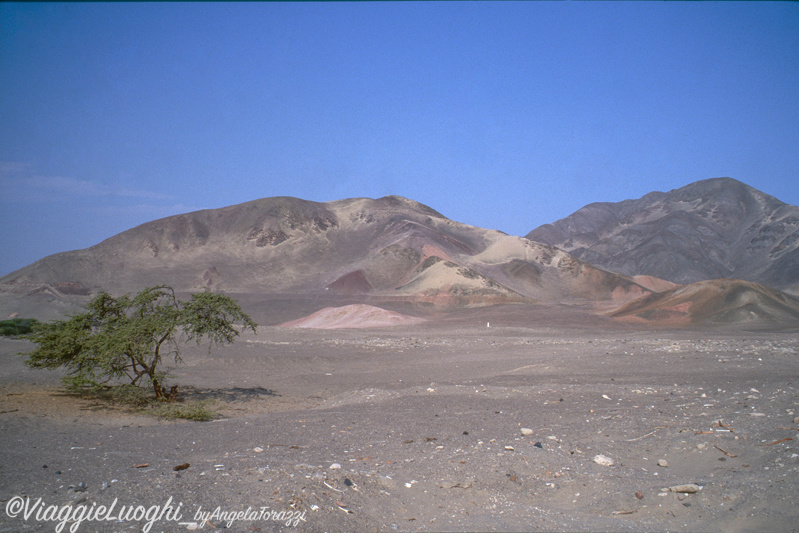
[
  {"x": 715, "y": 228},
  {"x": 395, "y": 250}
]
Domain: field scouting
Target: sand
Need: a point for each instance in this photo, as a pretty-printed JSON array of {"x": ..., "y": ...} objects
[{"x": 419, "y": 428}]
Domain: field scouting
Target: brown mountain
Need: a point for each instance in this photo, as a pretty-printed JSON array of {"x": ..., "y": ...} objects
[
  {"x": 720, "y": 301},
  {"x": 715, "y": 228},
  {"x": 360, "y": 249}
]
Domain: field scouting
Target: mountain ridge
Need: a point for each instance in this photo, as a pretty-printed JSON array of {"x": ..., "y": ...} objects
[
  {"x": 388, "y": 247},
  {"x": 709, "y": 229},
  {"x": 394, "y": 251}
]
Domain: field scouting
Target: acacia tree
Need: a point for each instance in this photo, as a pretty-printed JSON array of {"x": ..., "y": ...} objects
[{"x": 130, "y": 338}]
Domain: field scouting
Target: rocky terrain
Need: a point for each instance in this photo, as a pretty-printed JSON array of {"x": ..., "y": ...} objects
[
  {"x": 715, "y": 228},
  {"x": 442, "y": 426}
]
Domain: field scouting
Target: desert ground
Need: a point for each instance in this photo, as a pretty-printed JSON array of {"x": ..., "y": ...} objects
[{"x": 498, "y": 419}]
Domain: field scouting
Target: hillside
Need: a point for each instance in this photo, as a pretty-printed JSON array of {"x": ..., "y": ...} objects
[
  {"x": 389, "y": 248},
  {"x": 715, "y": 228},
  {"x": 721, "y": 301}
]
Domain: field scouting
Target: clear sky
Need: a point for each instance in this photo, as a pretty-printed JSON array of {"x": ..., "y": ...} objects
[{"x": 502, "y": 115}]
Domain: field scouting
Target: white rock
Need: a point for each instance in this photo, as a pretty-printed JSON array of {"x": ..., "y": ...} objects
[
  {"x": 688, "y": 488},
  {"x": 527, "y": 431},
  {"x": 603, "y": 460},
  {"x": 335, "y": 466},
  {"x": 663, "y": 463}
]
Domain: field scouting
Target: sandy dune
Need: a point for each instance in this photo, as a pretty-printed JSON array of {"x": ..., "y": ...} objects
[{"x": 353, "y": 316}]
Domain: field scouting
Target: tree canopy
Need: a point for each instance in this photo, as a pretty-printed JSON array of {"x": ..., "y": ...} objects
[{"x": 131, "y": 337}]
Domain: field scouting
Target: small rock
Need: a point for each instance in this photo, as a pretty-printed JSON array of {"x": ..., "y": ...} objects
[
  {"x": 639, "y": 495},
  {"x": 796, "y": 420},
  {"x": 257, "y": 449},
  {"x": 688, "y": 488},
  {"x": 538, "y": 445},
  {"x": 335, "y": 466},
  {"x": 527, "y": 431},
  {"x": 603, "y": 460},
  {"x": 509, "y": 448},
  {"x": 663, "y": 463},
  {"x": 81, "y": 487}
]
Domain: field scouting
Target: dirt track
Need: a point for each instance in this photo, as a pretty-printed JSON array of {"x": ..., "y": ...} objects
[{"x": 420, "y": 428}]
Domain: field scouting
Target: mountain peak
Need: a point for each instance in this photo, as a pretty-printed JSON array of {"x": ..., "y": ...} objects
[{"x": 713, "y": 228}]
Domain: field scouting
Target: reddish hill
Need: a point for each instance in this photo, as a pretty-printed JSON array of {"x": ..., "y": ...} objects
[{"x": 722, "y": 301}]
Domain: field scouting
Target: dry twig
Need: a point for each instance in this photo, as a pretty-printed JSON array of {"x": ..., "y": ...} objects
[
  {"x": 776, "y": 442},
  {"x": 725, "y": 452}
]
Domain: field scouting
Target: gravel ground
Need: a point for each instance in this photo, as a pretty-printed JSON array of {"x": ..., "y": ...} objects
[{"x": 439, "y": 427}]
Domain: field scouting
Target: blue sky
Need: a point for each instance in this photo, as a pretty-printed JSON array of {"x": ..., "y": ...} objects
[{"x": 502, "y": 115}]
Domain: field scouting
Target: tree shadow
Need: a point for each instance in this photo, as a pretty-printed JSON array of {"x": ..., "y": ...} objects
[{"x": 233, "y": 394}]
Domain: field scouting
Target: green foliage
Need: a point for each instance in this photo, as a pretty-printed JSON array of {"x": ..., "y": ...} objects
[
  {"x": 17, "y": 326},
  {"x": 130, "y": 338}
]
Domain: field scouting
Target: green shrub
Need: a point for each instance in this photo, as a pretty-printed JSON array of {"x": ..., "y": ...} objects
[{"x": 15, "y": 327}]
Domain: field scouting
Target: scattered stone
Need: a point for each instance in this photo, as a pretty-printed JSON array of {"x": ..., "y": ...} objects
[
  {"x": 257, "y": 449},
  {"x": 527, "y": 431},
  {"x": 509, "y": 448},
  {"x": 688, "y": 488},
  {"x": 639, "y": 495},
  {"x": 663, "y": 463},
  {"x": 335, "y": 466},
  {"x": 796, "y": 420},
  {"x": 81, "y": 487},
  {"x": 449, "y": 484},
  {"x": 184, "y": 466},
  {"x": 539, "y": 445},
  {"x": 603, "y": 460}
]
